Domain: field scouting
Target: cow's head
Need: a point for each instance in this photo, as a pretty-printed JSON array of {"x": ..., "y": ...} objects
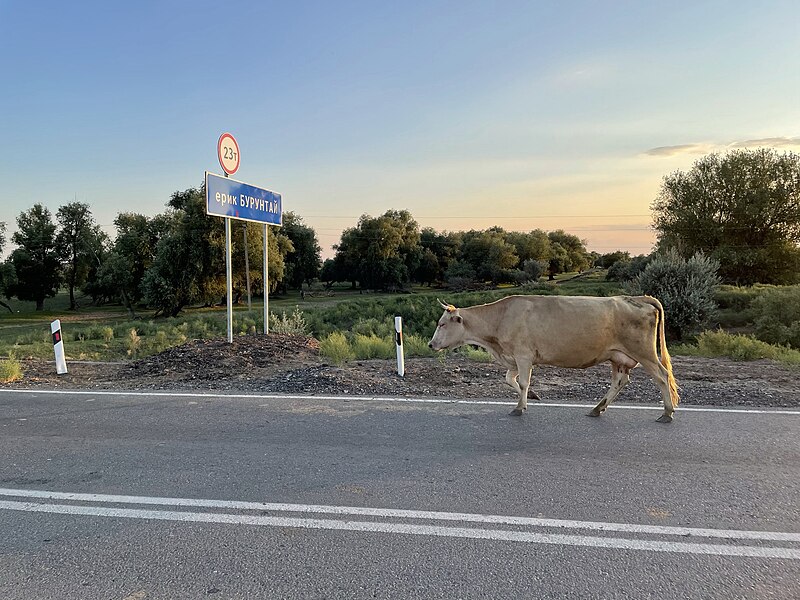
[{"x": 449, "y": 330}]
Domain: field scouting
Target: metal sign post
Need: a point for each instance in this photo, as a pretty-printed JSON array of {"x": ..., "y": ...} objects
[
  {"x": 266, "y": 281},
  {"x": 229, "y": 277},
  {"x": 233, "y": 199}
]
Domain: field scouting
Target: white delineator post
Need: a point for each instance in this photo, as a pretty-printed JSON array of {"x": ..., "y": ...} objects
[
  {"x": 58, "y": 347},
  {"x": 398, "y": 338}
]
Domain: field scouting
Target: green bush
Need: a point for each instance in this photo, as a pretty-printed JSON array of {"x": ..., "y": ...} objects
[
  {"x": 738, "y": 347},
  {"x": 372, "y": 346},
  {"x": 10, "y": 370},
  {"x": 295, "y": 323},
  {"x": 778, "y": 316},
  {"x": 476, "y": 354},
  {"x": 414, "y": 345},
  {"x": 684, "y": 287},
  {"x": 336, "y": 348}
]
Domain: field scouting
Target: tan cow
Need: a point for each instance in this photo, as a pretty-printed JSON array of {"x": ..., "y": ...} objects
[{"x": 566, "y": 331}]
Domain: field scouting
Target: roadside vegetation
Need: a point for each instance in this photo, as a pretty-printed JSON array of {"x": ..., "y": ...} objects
[{"x": 726, "y": 267}]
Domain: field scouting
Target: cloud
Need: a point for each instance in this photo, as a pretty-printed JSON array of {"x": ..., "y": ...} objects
[
  {"x": 773, "y": 142},
  {"x": 680, "y": 149},
  {"x": 704, "y": 148}
]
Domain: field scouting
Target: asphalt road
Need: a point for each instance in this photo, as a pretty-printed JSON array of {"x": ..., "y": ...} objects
[{"x": 133, "y": 496}]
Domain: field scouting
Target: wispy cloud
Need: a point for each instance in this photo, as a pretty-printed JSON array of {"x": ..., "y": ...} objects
[
  {"x": 773, "y": 142},
  {"x": 704, "y": 148},
  {"x": 679, "y": 149}
]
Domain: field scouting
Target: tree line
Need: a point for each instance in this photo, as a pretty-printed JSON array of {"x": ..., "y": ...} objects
[{"x": 741, "y": 210}]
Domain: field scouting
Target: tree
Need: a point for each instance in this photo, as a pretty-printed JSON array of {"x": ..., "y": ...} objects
[
  {"x": 488, "y": 253},
  {"x": 380, "y": 252},
  {"x": 189, "y": 263},
  {"x": 742, "y": 209},
  {"x": 35, "y": 261},
  {"x": 79, "y": 242},
  {"x": 303, "y": 263},
  {"x": 131, "y": 255},
  {"x": 576, "y": 259}
]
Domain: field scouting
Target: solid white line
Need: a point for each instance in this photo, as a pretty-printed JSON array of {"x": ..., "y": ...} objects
[
  {"x": 774, "y": 536},
  {"x": 581, "y": 405},
  {"x": 401, "y": 528}
]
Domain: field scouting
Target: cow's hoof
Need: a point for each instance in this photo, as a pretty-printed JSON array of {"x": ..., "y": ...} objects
[
  {"x": 664, "y": 419},
  {"x": 594, "y": 413},
  {"x": 517, "y": 412}
]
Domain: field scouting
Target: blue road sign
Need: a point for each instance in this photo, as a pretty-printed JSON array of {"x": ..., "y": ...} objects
[{"x": 230, "y": 198}]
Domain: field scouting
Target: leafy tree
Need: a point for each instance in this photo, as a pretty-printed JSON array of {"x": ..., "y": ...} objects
[
  {"x": 79, "y": 242},
  {"x": 606, "y": 261},
  {"x": 742, "y": 209},
  {"x": 577, "y": 258},
  {"x": 380, "y": 252},
  {"x": 35, "y": 261},
  {"x": 488, "y": 253},
  {"x": 131, "y": 255},
  {"x": 303, "y": 263},
  {"x": 684, "y": 287},
  {"x": 530, "y": 246},
  {"x": 189, "y": 263}
]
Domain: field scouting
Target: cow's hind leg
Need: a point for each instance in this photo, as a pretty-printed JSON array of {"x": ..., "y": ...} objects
[
  {"x": 524, "y": 368},
  {"x": 620, "y": 377},
  {"x": 661, "y": 376}
]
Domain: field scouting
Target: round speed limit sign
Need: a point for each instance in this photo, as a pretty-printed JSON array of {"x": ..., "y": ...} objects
[{"x": 228, "y": 153}]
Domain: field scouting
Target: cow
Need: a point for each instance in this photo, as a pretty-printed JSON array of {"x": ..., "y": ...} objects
[{"x": 566, "y": 331}]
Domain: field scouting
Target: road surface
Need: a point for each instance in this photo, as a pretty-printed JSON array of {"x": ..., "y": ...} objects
[{"x": 146, "y": 495}]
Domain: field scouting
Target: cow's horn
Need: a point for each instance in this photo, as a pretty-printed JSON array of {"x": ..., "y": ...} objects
[{"x": 447, "y": 307}]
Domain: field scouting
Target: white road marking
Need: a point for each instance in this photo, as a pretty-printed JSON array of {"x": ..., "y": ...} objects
[
  {"x": 408, "y": 529},
  {"x": 406, "y": 514},
  {"x": 581, "y": 405}
]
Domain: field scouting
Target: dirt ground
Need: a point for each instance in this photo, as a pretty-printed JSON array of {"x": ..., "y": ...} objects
[{"x": 292, "y": 365}]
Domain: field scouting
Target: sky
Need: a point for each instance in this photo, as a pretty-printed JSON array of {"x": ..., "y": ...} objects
[{"x": 552, "y": 115}]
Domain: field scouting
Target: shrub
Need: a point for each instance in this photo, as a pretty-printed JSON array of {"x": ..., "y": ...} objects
[
  {"x": 292, "y": 324},
  {"x": 534, "y": 269},
  {"x": 133, "y": 342},
  {"x": 777, "y": 313},
  {"x": 739, "y": 347},
  {"x": 10, "y": 370},
  {"x": 627, "y": 269},
  {"x": 684, "y": 287},
  {"x": 108, "y": 334},
  {"x": 336, "y": 348},
  {"x": 372, "y": 346},
  {"x": 476, "y": 354},
  {"x": 414, "y": 345}
]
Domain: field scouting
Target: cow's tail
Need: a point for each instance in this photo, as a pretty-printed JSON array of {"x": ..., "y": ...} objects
[{"x": 664, "y": 358}]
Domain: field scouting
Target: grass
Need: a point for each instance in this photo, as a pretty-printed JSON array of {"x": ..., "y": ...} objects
[{"x": 10, "y": 370}]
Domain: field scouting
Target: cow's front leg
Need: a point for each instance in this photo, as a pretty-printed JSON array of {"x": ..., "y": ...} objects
[{"x": 524, "y": 369}]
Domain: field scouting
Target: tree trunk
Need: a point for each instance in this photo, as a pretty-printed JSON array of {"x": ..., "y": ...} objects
[
  {"x": 7, "y": 306},
  {"x": 40, "y": 304}
]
